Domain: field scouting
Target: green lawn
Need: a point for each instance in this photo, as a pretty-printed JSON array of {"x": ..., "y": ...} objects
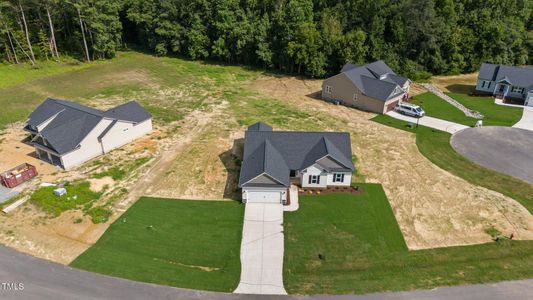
[
  {"x": 436, "y": 107},
  {"x": 494, "y": 115},
  {"x": 435, "y": 145},
  {"x": 363, "y": 251},
  {"x": 182, "y": 243}
]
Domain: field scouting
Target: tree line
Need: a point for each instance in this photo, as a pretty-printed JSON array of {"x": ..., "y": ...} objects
[{"x": 310, "y": 37}]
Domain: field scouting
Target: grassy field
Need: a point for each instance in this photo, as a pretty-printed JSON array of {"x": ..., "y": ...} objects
[
  {"x": 494, "y": 115},
  {"x": 11, "y": 75},
  {"x": 438, "y": 108},
  {"x": 188, "y": 244},
  {"x": 435, "y": 145},
  {"x": 363, "y": 251}
]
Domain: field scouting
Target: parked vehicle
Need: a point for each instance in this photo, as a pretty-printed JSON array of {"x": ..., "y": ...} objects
[
  {"x": 410, "y": 110},
  {"x": 18, "y": 175}
]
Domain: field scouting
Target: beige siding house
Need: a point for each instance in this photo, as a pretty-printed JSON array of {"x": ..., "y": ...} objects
[
  {"x": 67, "y": 134},
  {"x": 373, "y": 87}
]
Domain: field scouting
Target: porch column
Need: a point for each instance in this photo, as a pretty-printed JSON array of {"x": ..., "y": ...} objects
[{"x": 49, "y": 156}]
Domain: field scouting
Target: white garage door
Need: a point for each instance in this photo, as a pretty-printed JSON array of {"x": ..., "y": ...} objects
[{"x": 264, "y": 197}]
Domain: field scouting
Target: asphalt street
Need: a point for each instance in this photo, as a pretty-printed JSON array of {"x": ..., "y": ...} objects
[{"x": 42, "y": 279}]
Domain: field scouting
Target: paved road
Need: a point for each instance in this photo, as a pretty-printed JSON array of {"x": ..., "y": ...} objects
[
  {"x": 47, "y": 280},
  {"x": 526, "y": 122},
  {"x": 504, "y": 149},
  {"x": 430, "y": 122},
  {"x": 262, "y": 249}
]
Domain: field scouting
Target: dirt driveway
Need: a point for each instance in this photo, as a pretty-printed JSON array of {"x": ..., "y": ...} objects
[{"x": 433, "y": 207}]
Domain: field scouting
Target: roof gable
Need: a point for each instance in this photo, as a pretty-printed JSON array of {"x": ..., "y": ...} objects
[
  {"x": 376, "y": 80},
  {"x": 518, "y": 76}
]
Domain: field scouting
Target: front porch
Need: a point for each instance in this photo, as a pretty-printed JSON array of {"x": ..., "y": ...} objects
[{"x": 49, "y": 157}]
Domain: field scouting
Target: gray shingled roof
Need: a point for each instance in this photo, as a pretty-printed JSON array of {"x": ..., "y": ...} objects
[
  {"x": 131, "y": 112},
  {"x": 75, "y": 121},
  {"x": 517, "y": 76},
  {"x": 375, "y": 80},
  {"x": 260, "y": 126},
  {"x": 275, "y": 153}
]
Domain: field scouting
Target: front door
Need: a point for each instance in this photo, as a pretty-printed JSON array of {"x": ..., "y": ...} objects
[{"x": 502, "y": 88}]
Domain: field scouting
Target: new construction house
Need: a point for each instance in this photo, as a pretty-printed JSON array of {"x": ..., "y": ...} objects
[
  {"x": 372, "y": 87},
  {"x": 67, "y": 134},
  {"x": 273, "y": 160}
]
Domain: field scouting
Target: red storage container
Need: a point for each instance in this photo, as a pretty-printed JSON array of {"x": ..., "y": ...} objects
[{"x": 18, "y": 175}]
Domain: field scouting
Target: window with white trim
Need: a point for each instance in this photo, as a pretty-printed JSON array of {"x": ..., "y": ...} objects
[
  {"x": 314, "y": 179},
  {"x": 354, "y": 97},
  {"x": 328, "y": 89},
  {"x": 338, "y": 177},
  {"x": 517, "y": 89}
]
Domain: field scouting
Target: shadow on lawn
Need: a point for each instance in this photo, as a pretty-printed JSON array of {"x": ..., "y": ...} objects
[
  {"x": 232, "y": 162},
  {"x": 461, "y": 88}
]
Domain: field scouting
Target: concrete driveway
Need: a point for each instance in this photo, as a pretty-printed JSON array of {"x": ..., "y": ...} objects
[
  {"x": 431, "y": 122},
  {"x": 504, "y": 149},
  {"x": 527, "y": 119},
  {"x": 262, "y": 250}
]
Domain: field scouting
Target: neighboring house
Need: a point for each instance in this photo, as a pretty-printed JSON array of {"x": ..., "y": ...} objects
[
  {"x": 506, "y": 82},
  {"x": 67, "y": 134},
  {"x": 273, "y": 160},
  {"x": 372, "y": 87}
]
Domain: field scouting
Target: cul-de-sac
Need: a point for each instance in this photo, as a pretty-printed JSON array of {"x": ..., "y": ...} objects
[{"x": 235, "y": 149}]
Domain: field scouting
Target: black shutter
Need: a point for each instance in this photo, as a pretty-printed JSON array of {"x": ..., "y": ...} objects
[
  {"x": 310, "y": 179},
  {"x": 318, "y": 179}
]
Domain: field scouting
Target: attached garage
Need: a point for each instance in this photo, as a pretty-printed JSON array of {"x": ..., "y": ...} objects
[
  {"x": 264, "y": 195},
  {"x": 391, "y": 105}
]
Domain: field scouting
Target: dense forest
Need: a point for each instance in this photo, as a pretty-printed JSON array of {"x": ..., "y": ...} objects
[{"x": 311, "y": 37}]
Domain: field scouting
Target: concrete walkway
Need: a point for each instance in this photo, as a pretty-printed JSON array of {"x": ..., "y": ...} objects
[
  {"x": 431, "y": 122},
  {"x": 527, "y": 119},
  {"x": 293, "y": 195},
  {"x": 262, "y": 250}
]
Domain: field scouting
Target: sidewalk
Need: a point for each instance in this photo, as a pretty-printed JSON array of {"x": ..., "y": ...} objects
[
  {"x": 527, "y": 119},
  {"x": 431, "y": 122}
]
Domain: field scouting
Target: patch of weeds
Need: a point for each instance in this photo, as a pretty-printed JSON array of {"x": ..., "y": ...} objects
[
  {"x": 115, "y": 172},
  {"x": 493, "y": 232},
  {"x": 99, "y": 214},
  {"x": 77, "y": 194},
  {"x": 78, "y": 221},
  {"x": 10, "y": 233}
]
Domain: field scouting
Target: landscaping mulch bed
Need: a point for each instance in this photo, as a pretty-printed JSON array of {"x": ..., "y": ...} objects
[{"x": 341, "y": 189}]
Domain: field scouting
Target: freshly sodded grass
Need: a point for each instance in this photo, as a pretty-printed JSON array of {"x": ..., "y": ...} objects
[
  {"x": 494, "y": 114},
  {"x": 362, "y": 250},
  {"x": 182, "y": 243},
  {"x": 77, "y": 195},
  {"x": 435, "y": 145},
  {"x": 438, "y": 108}
]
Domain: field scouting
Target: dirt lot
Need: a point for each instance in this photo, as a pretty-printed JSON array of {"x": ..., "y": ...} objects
[{"x": 433, "y": 207}]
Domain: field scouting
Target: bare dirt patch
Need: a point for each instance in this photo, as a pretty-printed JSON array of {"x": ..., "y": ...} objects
[
  {"x": 98, "y": 184},
  {"x": 433, "y": 207}
]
